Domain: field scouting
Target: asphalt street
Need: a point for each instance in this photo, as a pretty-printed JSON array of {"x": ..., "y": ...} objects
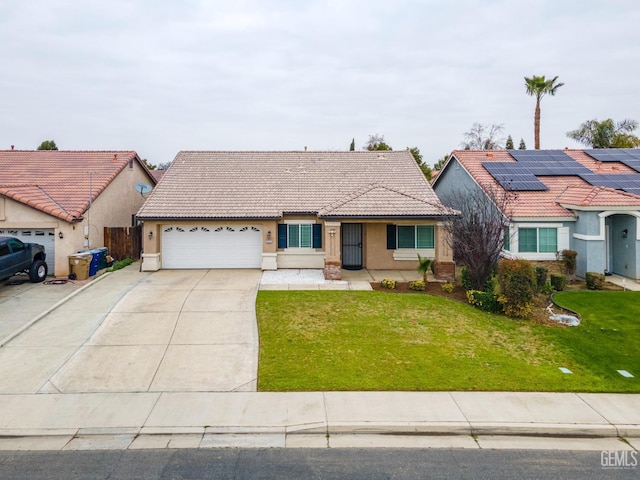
[{"x": 285, "y": 464}]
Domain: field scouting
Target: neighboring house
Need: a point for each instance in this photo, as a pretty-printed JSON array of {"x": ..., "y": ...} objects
[
  {"x": 64, "y": 199},
  {"x": 583, "y": 200},
  {"x": 294, "y": 209}
]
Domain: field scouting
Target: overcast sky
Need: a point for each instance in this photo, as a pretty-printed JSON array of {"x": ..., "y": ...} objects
[{"x": 159, "y": 76}]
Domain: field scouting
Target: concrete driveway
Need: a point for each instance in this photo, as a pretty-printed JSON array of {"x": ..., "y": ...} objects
[{"x": 172, "y": 330}]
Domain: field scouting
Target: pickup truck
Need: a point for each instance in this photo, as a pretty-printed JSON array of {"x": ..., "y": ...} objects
[{"x": 17, "y": 257}]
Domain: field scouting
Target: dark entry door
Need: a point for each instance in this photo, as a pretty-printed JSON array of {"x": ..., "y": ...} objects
[{"x": 351, "y": 246}]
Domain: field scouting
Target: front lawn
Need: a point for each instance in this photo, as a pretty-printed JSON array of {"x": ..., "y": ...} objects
[{"x": 348, "y": 340}]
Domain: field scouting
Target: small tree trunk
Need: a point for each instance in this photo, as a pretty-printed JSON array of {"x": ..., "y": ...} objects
[{"x": 536, "y": 126}]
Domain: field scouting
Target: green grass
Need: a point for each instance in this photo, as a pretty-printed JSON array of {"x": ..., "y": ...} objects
[{"x": 346, "y": 340}]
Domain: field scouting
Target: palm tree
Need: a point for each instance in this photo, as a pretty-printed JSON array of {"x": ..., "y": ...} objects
[
  {"x": 424, "y": 265},
  {"x": 538, "y": 87}
]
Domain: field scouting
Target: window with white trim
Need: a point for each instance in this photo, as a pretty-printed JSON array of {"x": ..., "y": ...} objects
[
  {"x": 538, "y": 240},
  {"x": 299, "y": 236}
]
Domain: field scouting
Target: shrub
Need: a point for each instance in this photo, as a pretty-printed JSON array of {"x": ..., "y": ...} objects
[
  {"x": 547, "y": 288},
  {"x": 485, "y": 301},
  {"x": 558, "y": 282},
  {"x": 467, "y": 282},
  {"x": 517, "y": 287},
  {"x": 465, "y": 279},
  {"x": 120, "y": 264},
  {"x": 386, "y": 283},
  {"x": 417, "y": 285},
  {"x": 448, "y": 287},
  {"x": 595, "y": 281},
  {"x": 541, "y": 277},
  {"x": 568, "y": 259}
]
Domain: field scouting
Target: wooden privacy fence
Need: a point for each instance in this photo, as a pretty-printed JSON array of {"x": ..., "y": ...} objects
[{"x": 123, "y": 242}]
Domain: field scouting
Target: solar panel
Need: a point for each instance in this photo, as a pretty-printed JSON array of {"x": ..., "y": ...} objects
[
  {"x": 530, "y": 164},
  {"x": 627, "y": 156}
]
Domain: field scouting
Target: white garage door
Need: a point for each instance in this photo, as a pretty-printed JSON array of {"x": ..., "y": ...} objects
[
  {"x": 43, "y": 236},
  {"x": 211, "y": 247}
]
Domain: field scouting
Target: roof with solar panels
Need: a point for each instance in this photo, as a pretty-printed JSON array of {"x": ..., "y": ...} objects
[{"x": 550, "y": 183}]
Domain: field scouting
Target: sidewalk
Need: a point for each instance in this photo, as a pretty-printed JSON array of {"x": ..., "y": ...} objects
[
  {"x": 317, "y": 420},
  {"x": 48, "y": 420}
]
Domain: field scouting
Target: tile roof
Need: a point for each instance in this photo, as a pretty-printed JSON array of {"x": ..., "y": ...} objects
[
  {"x": 587, "y": 196},
  {"x": 547, "y": 203},
  {"x": 58, "y": 182},
  {"x": 270, "y": 184}
]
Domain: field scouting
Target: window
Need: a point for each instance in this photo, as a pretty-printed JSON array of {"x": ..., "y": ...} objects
[
  {"x": 542, "y": 240},
  {"x": 299, "y": 235},
  {"x": 415, "y": 236},
  {"x": 548, "y": 240},
  {"x": 507, "y": 239}
]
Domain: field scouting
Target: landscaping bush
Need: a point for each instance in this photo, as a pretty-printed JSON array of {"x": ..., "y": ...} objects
[
  {"x": 558, "y": 282},
  {"x": 465, "y": 279},
  {"x": 448, "y": 287},
  {"x": 485, "y": 301},
  {"x": 386, "y": 283},
  {"x": 517, "y": 281},
  {"x": 547, "y": 288},
  {"x": 417, "y": 285},
  {"x": 541, "y": 277},
  {"x": 120, "y": 264},
  {"x": 595, "y": 281},
  {"x": 568, "y": 259}
]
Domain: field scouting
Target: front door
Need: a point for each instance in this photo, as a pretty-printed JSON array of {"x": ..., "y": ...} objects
[{"x": 351, "y": 246}]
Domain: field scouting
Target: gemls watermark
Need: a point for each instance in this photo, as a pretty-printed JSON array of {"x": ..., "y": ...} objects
[{"x": 619, "y": 459}]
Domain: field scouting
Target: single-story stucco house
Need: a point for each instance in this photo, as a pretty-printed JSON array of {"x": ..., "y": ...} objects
[
  {"x": 583, "y": 200},
  {"x": 64, "y": 199},
  {"x": 293, "y": 209}
]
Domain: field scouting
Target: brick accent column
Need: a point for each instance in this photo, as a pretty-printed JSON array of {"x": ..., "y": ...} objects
[
  {"x": 332, "y": 271},
  {"x": 445, "y": 270}
]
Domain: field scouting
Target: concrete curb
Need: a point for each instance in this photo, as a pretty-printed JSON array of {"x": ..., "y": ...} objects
[{"x": 31, "y": 322}]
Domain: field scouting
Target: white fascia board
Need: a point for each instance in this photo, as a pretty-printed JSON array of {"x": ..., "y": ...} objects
[{"x": 618, "y": 208}]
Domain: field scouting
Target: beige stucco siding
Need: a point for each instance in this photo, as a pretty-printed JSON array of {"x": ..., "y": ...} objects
[{"x": 113, "y": 208}]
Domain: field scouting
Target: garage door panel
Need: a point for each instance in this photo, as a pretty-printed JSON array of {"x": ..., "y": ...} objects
[
  {"x": 43, "y": 236},
  {"x": 211, "y": 247}
]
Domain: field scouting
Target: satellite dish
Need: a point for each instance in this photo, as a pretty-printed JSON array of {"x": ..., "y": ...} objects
[{"x": 143, "y": 188}]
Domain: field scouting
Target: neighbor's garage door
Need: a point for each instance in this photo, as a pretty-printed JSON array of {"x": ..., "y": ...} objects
[
  {"x": 43, "y": 236},
  {"x": 211, "y": 247}
]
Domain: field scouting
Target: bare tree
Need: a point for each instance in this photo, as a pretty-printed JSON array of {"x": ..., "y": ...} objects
[
  {"x": 477, "y": 235},
  {"x": 483, "y": 137}
]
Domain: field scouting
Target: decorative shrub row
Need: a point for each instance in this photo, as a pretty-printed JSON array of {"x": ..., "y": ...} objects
[
  {"x": 485, "y": 301},
  {"x": 595, "y": 281},
  {"x": 417, "y": 285}
]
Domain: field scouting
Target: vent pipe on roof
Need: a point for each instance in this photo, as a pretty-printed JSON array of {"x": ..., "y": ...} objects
[
  {"x": 11, "y": 147},
  {"x": 380, "y": 156},
  {"x": 305, "y": 148},
  {"x": 115, "y": 157}
]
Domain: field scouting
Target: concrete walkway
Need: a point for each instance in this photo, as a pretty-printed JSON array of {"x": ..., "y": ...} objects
[
  {"x": 120, "y": 365},
  {"x": 313, "y": 279}
]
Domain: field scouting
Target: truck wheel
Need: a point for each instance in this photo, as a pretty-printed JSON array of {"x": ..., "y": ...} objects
[{"x": 38, "y": 271}]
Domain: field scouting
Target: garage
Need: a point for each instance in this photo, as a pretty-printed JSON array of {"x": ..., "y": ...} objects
[
  {"x": 217, "y": 246},
  {"x": 43, "y": 236}
]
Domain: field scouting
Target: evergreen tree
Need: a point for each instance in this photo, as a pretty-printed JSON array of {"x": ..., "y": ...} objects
[
  {"x": 48, "y": 145},
  {"x": 352, "y": 147},
  {"x": 522, "y": 146},
  {"x": 509, "y": 144}
]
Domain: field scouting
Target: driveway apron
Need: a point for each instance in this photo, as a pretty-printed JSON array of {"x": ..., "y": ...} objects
[{"x": 175, "y": 330}]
